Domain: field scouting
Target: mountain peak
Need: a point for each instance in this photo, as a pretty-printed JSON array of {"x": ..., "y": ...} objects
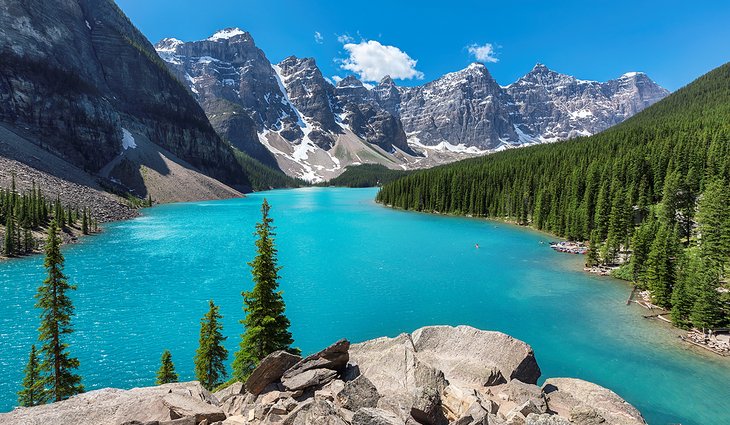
[
  {"x": 226, "y": 34},
  {"x": 386, "y": 81},
  {"x": 632, "y": 74}
]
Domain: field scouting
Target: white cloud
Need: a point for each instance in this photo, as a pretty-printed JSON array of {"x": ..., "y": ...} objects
[
  {"x": 483, "y": 53},
  {"x": 336, "y": 78},
  {"x": 372, "y": 61},
  {"x": 318, "y": 37},
  {"x": 345, "y": 38}
]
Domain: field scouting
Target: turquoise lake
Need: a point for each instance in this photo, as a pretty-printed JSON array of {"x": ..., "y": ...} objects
[{"x": 358, "y": 270}]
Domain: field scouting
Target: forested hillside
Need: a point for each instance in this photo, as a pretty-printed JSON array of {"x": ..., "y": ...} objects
[
  {"x": 654, "y": 187},
  {"x": 366, "y": 175}
]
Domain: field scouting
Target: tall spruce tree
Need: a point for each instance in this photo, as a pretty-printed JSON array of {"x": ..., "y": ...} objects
[
  {"x": 56, "y": 311},
  {"x": 34, "y": 391},
  {"x": 9, "y": 247},
  {"x": 714, "y": 224},
  {"x": 707, "y": 309},
  {"x": 660, "y": 274},
  {"x": 166, "y": 373},
  {"x": 266, "y": 326},
  {"x": 210, "y": 368}
]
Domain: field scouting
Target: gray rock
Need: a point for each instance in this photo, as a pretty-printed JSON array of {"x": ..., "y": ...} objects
[
  {"x": 315, "y": 412},
  {"x": 182, "y": 405},
  {"x": 113, "y": 407},
  {"x": 375, "y": 416},
  {"x": 358, "y": 393},
  {"x": 588, "y": 402},
  {"x": 546, "y": 419},
  {"x": 334, "y": 357},
  {"x": 308, "y": 379},
  {"x": 426, "y": 409},
  {"x": 524, "y": 396},
  {"x": 467, "y": 356},
  {"x": 270, "y": 369},
  {"x": 233, "y": 389}
]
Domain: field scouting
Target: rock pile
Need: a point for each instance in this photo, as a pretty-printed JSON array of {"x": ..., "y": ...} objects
[{"x": 435, "y": 376}]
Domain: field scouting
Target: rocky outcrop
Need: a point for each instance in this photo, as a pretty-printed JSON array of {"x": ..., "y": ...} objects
[
  {"x": 434, "y": 376},
  {"x": 586, "y": 402}
]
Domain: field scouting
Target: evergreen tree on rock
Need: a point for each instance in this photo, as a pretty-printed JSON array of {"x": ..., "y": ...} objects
[
  {"x": 166, "y": 373},
  {"x": 266, "y": 326},
  {"x": 210, "y": 368},
  {"x": 34, "y": 391},
  {"x": 56, "y": 311}
]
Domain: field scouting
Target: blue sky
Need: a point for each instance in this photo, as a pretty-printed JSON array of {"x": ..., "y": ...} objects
[{"x": 672, "y": 41}]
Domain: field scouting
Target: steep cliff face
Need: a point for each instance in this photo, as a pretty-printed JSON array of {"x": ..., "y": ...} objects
[
  {"x": 80, "y": 76},
  {"x": 467, "y": 108},
  {"x": 554, "y": 106}
]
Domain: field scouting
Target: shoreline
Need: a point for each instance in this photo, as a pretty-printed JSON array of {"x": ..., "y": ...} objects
[{"x": 580, "y": 266}]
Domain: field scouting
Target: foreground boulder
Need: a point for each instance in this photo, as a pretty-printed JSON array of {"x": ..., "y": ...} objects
[
  {"x": 437, "y": 375},
  {"x": 586, "y": 402},
  {"x": 470, "y": 356},
  {"x": 114, "y": 407}
]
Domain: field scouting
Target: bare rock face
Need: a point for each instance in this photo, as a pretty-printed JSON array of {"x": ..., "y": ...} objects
[
  {"x": 468, "y": 356},
  {"x": 113, "y": 407},
  {"x": 467, "y": 107},
  {"x": 76, "y": 73},
  {"x": 269, "y": 370},
  {"x": 585, "y": 402},
  {"x": 429, "y": 377},
  {"x": 334, "y": 357}
]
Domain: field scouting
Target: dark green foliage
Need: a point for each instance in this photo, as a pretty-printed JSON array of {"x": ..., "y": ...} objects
[
  {"x": 166, "y": 373},
  {"x": 714, "y": 224},
  {"x": 651, "y": 171},
  {"x": 707, "y": 310},
  {"x": 56, "y": 311},
  {"x": 261, "y": 177},
  {"x": 266, "y": 326},
  {"x": 34, "y": 391},
  {"x": 661, "y": 267},
  {"x": 366, "y": 175},
  {"x": 210, "y": 368},
  {"x": 23, "y": 213}
]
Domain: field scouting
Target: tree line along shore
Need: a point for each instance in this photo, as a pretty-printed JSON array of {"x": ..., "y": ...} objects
[{"x": 650, "y": 196}]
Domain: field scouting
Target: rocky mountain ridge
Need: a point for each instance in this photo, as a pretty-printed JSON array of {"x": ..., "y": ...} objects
[
  {"x": 314, "y": 128},
  {"x": 80, "y": 82},
  {"x": 437, "y": 375}
]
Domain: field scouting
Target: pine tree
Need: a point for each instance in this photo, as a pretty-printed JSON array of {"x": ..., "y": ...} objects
[
  {"x": 594, "y": 247},
  {"x": 85, "y": 223},
  {"x": 33, "y": 392},
  {"x": 683, "y": 296},
  {"x": 660, "y": 274},
  {"x": 166, "y": 374},
  {"x": 9, "y": 234},
  {"x": 707, "y": 310},
  {"x": 210, "y": 368},
  {"x": 714, "y": 224},
  {"x": 56, "y": 311},
  {"x": 266, "y": 326}
]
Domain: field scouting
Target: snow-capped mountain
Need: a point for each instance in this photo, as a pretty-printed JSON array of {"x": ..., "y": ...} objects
[
  {"x": 290, "y": 116},
  {"x": 553, "y": 106}
]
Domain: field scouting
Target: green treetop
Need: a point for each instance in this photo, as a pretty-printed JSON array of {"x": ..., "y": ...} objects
[
  {"x": 210, "y": 368},
  {"x": 33, "y": 392},
  {"x": 266, "y": 326},
  {"x": 166, "y": 373}
]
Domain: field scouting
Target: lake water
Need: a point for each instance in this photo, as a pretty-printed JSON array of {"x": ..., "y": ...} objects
[{"x": 357, "y": 270}]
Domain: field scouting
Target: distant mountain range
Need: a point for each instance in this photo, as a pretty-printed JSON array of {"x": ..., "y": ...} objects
[{"x": 289, "y": 115}]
